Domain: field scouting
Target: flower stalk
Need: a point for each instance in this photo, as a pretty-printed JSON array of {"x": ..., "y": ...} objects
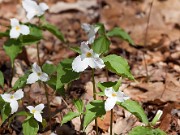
[{"x": 94, "y": 96}]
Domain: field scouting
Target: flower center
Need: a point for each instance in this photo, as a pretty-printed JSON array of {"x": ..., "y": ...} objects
[
  {"x": 12, "y": 96},
  {"x": 17, "y": 28},
  {"x": 33, "y": 111},
  {"x": 114, "y": 94},
  {"x": 88, "y": 54},
  {"x": 39, "y": 74}
]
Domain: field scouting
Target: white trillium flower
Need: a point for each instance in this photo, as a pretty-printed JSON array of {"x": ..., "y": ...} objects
[
  {"x": 36, "y": 75},
  {"x": 87, "y": 58},
  {"x": 113, "y": 97},
  {"x": 36, "y": 111},
  {"x": 12, "y": 99},
  {"x": 33, "y": 9},
  {"x": 17, "y": 29},
  {"x": 91, "y": 30}
]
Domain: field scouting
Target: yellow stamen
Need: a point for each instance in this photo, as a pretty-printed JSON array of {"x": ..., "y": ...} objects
[
  {"x": 12, "y": 96},
  {"x": 114, "y": 94},
  {"x": 33, "y": 111},
  {"x": 39, "y": 74},
  {"x": 88, "y": 54},
  {"x": 17, "y": 28}
]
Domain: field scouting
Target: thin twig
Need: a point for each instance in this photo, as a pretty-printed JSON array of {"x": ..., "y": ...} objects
[
  {"x": 145, "y": 39},
  {"x": 165, "y": 83}
]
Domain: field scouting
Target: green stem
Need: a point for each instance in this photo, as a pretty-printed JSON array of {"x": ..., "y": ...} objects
[
  {"x": 12, "y": 73},
  {"x": 111, "y": 124},
  {"x": 94, "y": 96}
]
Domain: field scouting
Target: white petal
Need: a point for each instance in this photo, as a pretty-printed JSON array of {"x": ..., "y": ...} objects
[
  {"x": 91, "y": 62},
  {"x": 32, "y": 78},
  {"x": 29, "y": 5},
  {"x": 6, "y": 97},
  {"x": 30, "y": 108},
  {"x": 91, "y": 35},
  {"x": 14, "y": 106},
  {"x": 14, "y": 22},
  {"x": 43, "y": 6},
  {"x": 36, "y": 68},
  {"x": 110, "y": 103},
  {"x": 39, "y": 107},
  {"x": 79, "y": 65},
  {"x": 98, "y": 63},
  {"x": 121, "y": 96},
  {"x": 14, "y": 33},
  {"x": 86, "y": 27},
  {"x": 91, "y": 39},
  {"x": 84, "y": 48},
  {"x": 44, "y": 77},
  {"x": 25, "y": 30},
  {"x": 18, "y": 94},
  {"x": 108, "y": 92},
  {"x": 96, "y": 28},
  {"x": 38, "y": 116},
  {"x": 30, "y": 15}
]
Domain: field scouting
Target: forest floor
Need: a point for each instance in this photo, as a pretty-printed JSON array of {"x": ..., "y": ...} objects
[{"x": 154, "y": 60}]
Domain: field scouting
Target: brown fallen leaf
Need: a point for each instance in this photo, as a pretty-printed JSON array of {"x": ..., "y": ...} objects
[{"x": 104, "y": 122}]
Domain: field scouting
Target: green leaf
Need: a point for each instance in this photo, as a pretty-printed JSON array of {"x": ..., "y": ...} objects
[
  {"x": 65, "y": 74},
  {"x": 49, "y": 68},
  {"x": 24, "y": 113},
  {"x": 21, "y": 82},
  {"x": 52, "y": 81},
  {"x": 30, "y": 127},
  {"x": 2, "y": 102},
  {"x": 1, "y": 79},
  {"x": 4, "y": 34},
  {"x": 118, "y": 32},
  {"x": 134, "y": 108},
  {"x": 44, "y": 123},
  {"x": 93, "y": 110},
  {"x": 5, "y": 111},
  {"x": 100, "y": 93},
  {"x": 101, "y": 44},
  {"x": 54, "y": 30},
  {"x": 118, "y": 65},
  {"x": 69, "y": 116},
  {"x": 79, "y": 105},
  {"x": 105, "y": 85},
  {"x": 118, "y": 84},
  {"x": 12, "y": 48},
  {"x": 76, "y": 49},
  {"x": 34, "y": 37},
  {"x": 139, "y": 130},
  {"x": 101, "y": 29}
]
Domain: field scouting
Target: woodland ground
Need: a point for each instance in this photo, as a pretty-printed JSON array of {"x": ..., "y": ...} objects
[{"x": 159, "y": 52}]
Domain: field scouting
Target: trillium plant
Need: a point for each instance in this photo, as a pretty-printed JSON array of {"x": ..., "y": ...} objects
[
  {"x": 36, "y": 75},
  {"x": 36, "y": 111},
  {"x": 33, "y": 9},
  {"x": 87, "y": 58},
  {"x": 17, "y": 29},
  {"x": 93, "y": 54},
  {"x": 113, "y": 97}
]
